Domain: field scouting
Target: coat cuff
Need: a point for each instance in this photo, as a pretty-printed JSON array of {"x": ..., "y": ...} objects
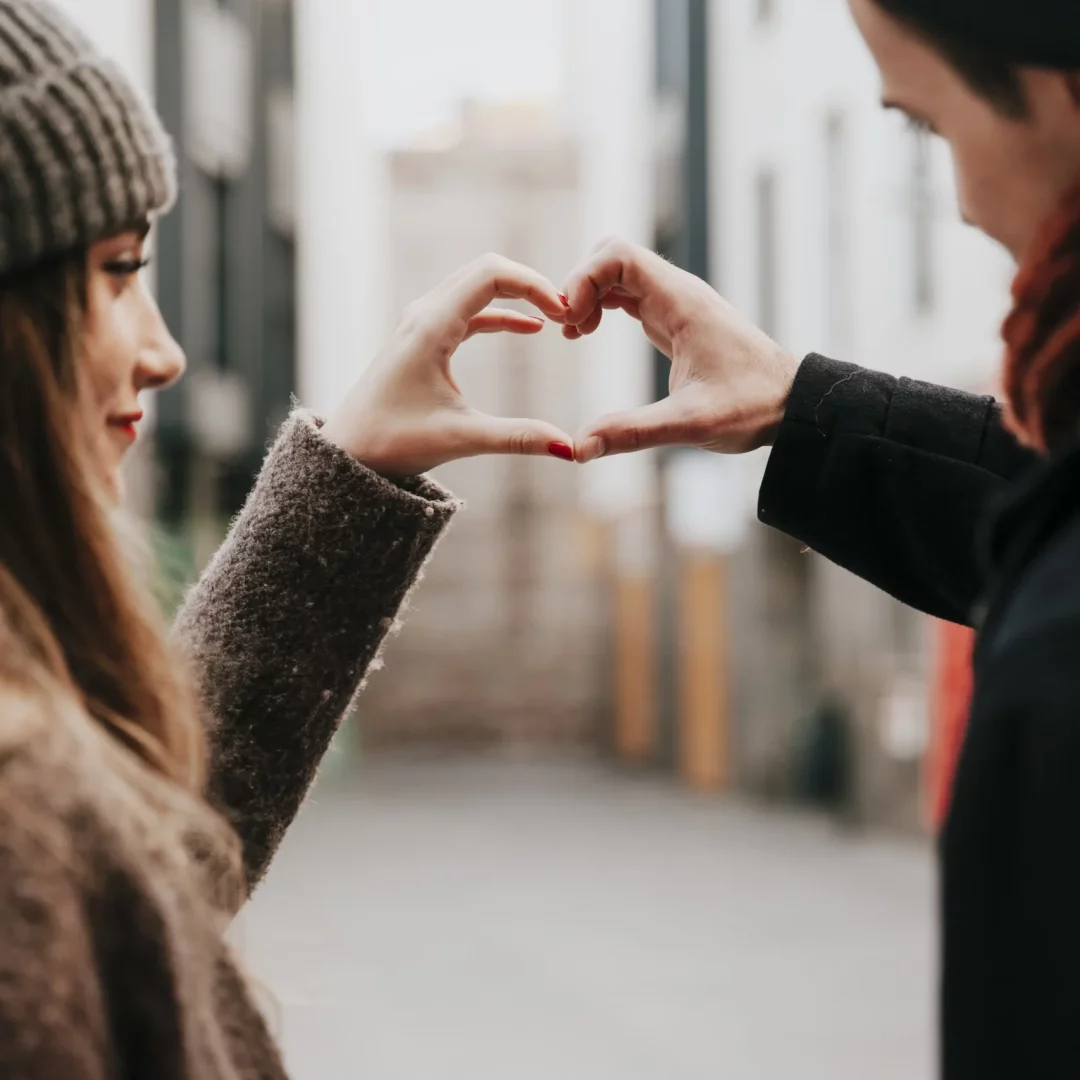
[
  {"x": 831, "y": 399},
  {"x": 832, "y": 396}
]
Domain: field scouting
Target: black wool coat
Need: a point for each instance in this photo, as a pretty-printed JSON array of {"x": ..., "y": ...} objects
[{"x": 922, "y": 491}]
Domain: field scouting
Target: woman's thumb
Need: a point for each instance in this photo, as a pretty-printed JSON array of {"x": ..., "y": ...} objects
[{"x": 535, "y": 438}]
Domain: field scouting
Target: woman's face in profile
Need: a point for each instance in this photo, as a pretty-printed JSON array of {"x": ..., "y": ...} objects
[{"x": 126, "y": 346}]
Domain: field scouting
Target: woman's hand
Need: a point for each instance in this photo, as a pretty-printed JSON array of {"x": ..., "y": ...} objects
[
  {"x": 406, "y": 415},
  {"x": 729, "y": 381}
]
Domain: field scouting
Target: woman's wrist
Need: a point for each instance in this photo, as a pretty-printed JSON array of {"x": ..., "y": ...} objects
[{"x": 362, "y": 451}]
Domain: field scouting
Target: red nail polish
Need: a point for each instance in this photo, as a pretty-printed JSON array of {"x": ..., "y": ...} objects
[
  {"x": 565, "y": 301},
  {"x": 561, "y": 451}
]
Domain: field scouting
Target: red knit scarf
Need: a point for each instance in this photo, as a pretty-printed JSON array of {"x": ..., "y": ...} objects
[{"x": 1042, "y": 336}]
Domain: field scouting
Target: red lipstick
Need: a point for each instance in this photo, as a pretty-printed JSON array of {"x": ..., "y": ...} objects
[{"x": 126, "y": 423}]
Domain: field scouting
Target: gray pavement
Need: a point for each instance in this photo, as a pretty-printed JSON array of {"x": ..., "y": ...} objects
[{"x": 493, "y": 919}]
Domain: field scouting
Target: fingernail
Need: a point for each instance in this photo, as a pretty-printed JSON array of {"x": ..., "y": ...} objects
[
  {"x": 561, "y": 451},
  {"x": 592, "y": 449},
  {"x": 565, "y": 301}
]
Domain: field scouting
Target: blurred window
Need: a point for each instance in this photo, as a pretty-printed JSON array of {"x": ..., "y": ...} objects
[
  {"x": 219, "y": 89},
  {"x": 219, "y": 194},
  {"x": 922, "y": 223},
  {"x": 672, "y": 34},
  {"x": 838, "y": 282},
  {"x": 767, "y": 254},
  {"x": 281, "y": 165}
]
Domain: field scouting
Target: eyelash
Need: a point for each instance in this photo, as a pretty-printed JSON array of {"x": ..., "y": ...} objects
[
  {"x": 126, "y": 267},
  {"x": 919, "y": 126}
]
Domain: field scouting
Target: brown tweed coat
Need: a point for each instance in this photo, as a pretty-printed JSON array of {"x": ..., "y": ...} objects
[{"x": 108, "y": 965}]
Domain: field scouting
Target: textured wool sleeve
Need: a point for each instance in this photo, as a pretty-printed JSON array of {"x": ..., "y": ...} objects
[
  {"x": 890, "y": 478},
  {"x": 290, "y": 614}
]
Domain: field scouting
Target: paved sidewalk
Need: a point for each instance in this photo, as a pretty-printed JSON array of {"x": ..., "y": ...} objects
[{"x": 506, "y": 921}]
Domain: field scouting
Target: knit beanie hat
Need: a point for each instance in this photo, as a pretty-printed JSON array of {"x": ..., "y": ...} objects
[
  {"x": 1037, "y": 33},
  {"x": 82, "y": 155}
]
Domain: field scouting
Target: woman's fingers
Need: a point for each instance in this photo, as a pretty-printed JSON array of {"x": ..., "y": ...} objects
[
  {"x": 502, "y": 321},
  {"x": 486, "y": 434},
  {"x": 495, "y": 278}
]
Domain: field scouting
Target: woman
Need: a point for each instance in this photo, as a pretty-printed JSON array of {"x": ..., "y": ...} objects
[
  {"x": 135, "y": 813},
  {"x": 895, "y": 480}
]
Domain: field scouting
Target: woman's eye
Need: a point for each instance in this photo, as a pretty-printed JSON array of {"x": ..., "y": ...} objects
[
  {"x": 919, "y": 126},
  {"x": 125, "y": 267}
]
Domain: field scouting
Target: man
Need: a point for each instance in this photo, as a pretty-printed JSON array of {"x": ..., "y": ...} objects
[{"x": 894, "y": 480}]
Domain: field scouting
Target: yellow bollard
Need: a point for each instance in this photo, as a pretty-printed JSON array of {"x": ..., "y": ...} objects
[
  {"x": 635, "y": 670},
  {"x": 704, "y": 681}
]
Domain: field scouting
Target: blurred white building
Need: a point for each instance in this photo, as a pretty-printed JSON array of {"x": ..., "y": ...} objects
[
  {"x": 124, "y": 29},
  {"x": 836, "y": 228},
  {"x": 773, "y": 172},
  {"x": 504, "y": 642},
  {"x": 833, "y": 224},
  {"x": 343, "y": 294}
]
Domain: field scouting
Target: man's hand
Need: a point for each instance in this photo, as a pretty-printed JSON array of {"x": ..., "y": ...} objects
[{"x": 729, "y": 381}]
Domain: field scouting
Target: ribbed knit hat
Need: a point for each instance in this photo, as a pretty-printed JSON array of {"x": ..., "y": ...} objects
[
  {"x": 1037, "y": 33},
  {"x": 82, "y": 155}
]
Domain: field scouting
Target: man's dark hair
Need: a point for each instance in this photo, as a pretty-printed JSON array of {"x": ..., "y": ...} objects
[{"x": 993, "y": 78}]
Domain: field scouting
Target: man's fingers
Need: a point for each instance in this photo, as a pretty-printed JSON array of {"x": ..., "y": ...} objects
[
  {"x": 491, "y": 278},
  {"x": 618, "y": 265},
  {"x": 665, "y": 423},
  {"x": 502, "y": 321},
  {"x": 612, "y": 302},
  {"x": 616, "y": 302},
  {"x": 592, "y": 323}
]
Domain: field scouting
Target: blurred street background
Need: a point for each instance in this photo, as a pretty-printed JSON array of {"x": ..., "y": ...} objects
[
  {"x": 644, "y": 789},
  {"x": 475, "y": 919}
]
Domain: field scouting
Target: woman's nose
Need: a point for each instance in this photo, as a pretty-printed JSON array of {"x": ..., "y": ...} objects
[{"x": 161, "y": 363}]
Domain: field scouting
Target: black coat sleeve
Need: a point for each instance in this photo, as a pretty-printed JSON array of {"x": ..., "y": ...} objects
[{"x": 889, "y": 478}]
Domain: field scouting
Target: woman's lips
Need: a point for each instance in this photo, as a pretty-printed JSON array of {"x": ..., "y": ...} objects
[{"x": 126, "y": 424}]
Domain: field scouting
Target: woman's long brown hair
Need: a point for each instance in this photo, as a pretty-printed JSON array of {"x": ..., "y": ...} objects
[
  {"x": 1042, "y": 336},
  {"x": 74, "y": 618}
]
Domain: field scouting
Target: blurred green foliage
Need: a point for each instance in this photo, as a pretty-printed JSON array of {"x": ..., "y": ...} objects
[{"x": 174, "y": 563}]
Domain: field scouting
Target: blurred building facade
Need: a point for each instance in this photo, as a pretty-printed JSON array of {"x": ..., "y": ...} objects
[
  {"x": 837, "y": 228},
  {"x": 778, "y": 178},
  {"x": 637, "y": 601},
  {"x": 226, "y": 258},
  {"x": 502, "y": 646}
]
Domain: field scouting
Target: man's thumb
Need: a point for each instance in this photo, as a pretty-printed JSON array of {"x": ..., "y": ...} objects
[{"x": 661, "y": 424}]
